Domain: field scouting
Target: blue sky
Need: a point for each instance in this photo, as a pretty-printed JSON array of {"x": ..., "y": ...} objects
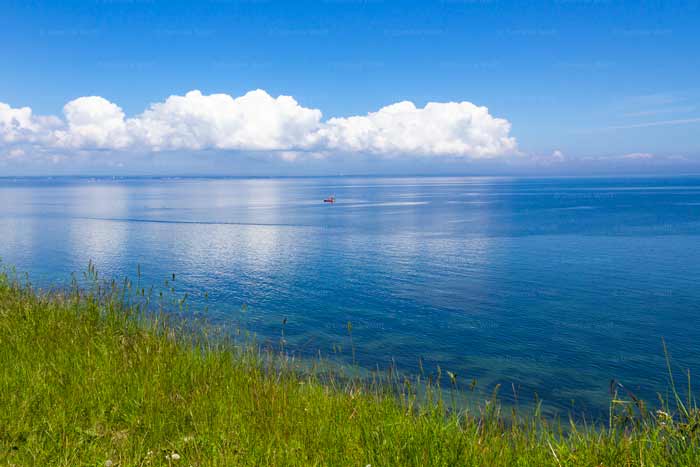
[{"x": 586, "y": 86}]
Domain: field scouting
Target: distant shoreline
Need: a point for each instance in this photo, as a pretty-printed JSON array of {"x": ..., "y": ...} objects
[{"x": 492, "y": 176}]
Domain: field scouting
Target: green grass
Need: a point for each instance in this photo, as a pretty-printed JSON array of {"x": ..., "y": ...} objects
[{"x": 87, "y": 379}]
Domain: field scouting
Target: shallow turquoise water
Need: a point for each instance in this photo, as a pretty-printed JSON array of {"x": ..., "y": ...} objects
[{"x": 554, "y": 285}]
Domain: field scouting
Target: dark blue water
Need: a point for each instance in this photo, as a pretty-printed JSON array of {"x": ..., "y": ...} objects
[{"x": 554, "y": 285}]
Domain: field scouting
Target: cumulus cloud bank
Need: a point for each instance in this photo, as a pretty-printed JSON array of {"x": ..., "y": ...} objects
[{"x": 257, "y": 121}]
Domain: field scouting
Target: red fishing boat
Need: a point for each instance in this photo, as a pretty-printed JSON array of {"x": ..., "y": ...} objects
[{"x": 330, "y": 199}]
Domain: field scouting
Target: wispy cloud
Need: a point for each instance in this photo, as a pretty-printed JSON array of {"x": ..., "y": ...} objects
[
  {"x": 651, "y": 100},
  {"x": 654, "y": 112},
  {"x": 680, "y": 121}
]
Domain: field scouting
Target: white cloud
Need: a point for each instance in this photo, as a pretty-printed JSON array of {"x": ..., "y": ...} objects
[
  {"x": 558, "y": 155},
  {"x": 453, "y": 129},
  {"x": 15, "y": 153},
  {"x": 257, "y": 121},
  {"x": 12, "y": 154},
  {"x": 15, "y": 124},
  {"x": 633, "y": 156},
  {"x": 21, "y": 125},
  {"x": 93, "y": 122},
  {"x": 637, "y": 155}
]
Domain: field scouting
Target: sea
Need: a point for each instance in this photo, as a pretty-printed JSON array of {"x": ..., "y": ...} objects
[{"x": 552, "y": 289}]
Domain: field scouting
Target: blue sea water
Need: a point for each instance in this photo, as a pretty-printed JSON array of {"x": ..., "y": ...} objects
[{"x": 552, "y": 286}]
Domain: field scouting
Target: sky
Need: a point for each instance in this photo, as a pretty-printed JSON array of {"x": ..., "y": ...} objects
[{"x": 256, "y": 87}]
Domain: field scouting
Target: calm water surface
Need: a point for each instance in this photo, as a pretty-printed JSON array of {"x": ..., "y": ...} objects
[{"x": 554, "y": 285}]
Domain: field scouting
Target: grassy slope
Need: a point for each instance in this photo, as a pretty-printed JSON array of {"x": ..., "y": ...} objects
[{"x": 89, "y": 384}]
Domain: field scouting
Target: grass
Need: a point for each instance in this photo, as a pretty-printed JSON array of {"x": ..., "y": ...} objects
[{"x": 88, "y": 379}]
